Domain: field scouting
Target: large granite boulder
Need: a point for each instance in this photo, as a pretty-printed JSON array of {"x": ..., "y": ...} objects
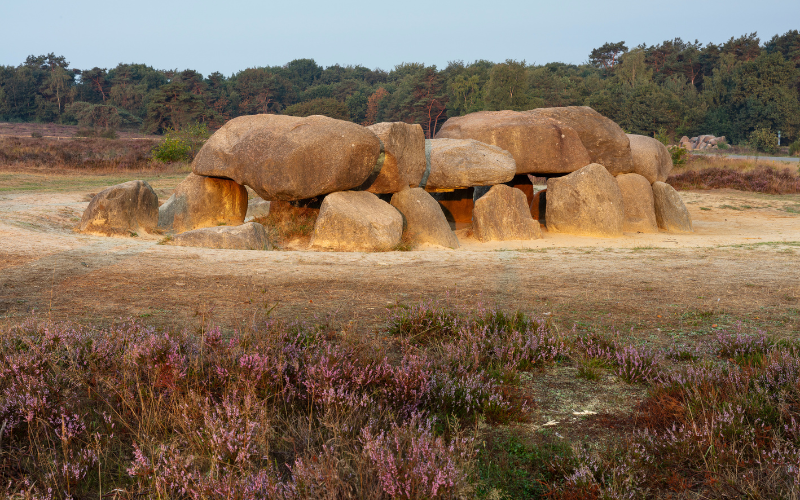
[
  {"x": 587, "y": 202},
  {"x": 130, "y": 207},
  {"x": 425, "y": 221},
  {"x": 203, "y": 202},
  {"x": 605, "y": 141},
  {"x": 462, "y": 163},
  {"x": 289, "y": 157},
  {"x": 637, "y": 199},
  {"x": 538, "y": 144},
  {"x": 503, "y": 214},
  {"x": 650, "y": 158},
  {"x": 404, "y": 161},
  {"x": 356, "y": 221},
  {"x": 671, "y": 213},
  {"x": 249, "y": 236}
]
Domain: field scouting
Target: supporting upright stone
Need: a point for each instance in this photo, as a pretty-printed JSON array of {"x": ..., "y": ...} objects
[
  {"x": 503, "y": 214},
  {"x": 637, "y": 199},
  {"x": 587, "y": 203},
  {"x": 357, "y": 221},
  {"x": 203, "y": 202},
  {"x": 671, "y": 213},
  {"x": 425, "y": 221}
]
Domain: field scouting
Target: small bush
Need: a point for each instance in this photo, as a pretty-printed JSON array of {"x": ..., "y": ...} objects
[
  {"x": 764, "y": 139},
  {"x": 678, "y": 155},
  {"x": 181, "y": 144},
  {"x": 794, "y": 148}
]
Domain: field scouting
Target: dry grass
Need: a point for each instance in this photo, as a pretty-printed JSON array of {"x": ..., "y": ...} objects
[
  {"x": 91, "y": 155},
  {"x": 288, "y": 223},
  {"x": 759, "y": 176}
]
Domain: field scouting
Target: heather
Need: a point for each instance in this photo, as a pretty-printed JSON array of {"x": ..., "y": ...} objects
[
  {"x": 86, "y": 154},
  {"x": 319, "y": 410},
  {"x": 761, "y": 179}
]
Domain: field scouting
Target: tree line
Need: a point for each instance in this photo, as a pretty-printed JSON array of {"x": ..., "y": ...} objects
[{"x": 686, "y": 88}]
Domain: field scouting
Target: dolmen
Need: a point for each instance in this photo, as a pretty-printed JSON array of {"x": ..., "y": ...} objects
[{"x": 508, "y": 173}]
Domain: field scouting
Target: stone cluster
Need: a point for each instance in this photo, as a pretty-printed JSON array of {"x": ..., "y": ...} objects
[
  {"x": 701, "y": 142},
  {"x": 506, "y": 173}
]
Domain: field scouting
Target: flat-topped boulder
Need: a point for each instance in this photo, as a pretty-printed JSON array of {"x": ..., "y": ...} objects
[
  {"x": 671, "y": 212},
  {"x": 538, "y": 144},
  {"x": 200, "y": 201},
  {"x": 130, "y": 207},
  {"x": 356, "y": 221},
  {"x": 425, "y": 221},
  {"x": 404, "y": 161},
  {"x": 463, "y": 163},
  {"x": 503, "y": 214},
  {"x": 290, "y": 158},
  {"x": 650, "y": 158},
  {"x": 587, "y": 202},
  {"x": 603, "y": 139},
  {"x": 637, "y": 199},
  {"x": 249, "y": 236}
]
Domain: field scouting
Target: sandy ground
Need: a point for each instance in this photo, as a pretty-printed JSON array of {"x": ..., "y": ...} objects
[{"x": 743, "y": 259}]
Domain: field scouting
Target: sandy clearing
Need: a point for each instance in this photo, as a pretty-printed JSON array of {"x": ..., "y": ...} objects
[{"x": 46, "y": 266}]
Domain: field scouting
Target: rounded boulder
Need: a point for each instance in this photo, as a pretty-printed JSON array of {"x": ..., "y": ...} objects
[
  {"x": 130, "y": 207},
  {"x": 290, "y": 158},
  {"x": 538, "y": 144},
  {"x": 651, "y": 159},
  {"x": 200, "y": 201},
  {"x": 586, "y": 203},
  {"x": 356, "y": 221}
]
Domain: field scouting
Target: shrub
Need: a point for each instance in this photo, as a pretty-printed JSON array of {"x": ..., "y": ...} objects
[
  {"x": 678, "y": 155},
  {"x": 764, "y": 139},
  {"x": 794, "y": 148},
  {"x": 181, "y": 144}
]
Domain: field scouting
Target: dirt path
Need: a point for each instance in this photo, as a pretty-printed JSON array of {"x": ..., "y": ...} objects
[{"x": 742, "y": 262}]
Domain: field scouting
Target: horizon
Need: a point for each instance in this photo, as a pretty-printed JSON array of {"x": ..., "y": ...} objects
[{"x": 340, "y": 34}]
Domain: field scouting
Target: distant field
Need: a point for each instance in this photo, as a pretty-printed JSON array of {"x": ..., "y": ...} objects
[{"x": 57, "y": 131}]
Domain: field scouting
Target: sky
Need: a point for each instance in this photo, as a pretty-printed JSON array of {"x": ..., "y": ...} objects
[{"x": 232, "y": 35}]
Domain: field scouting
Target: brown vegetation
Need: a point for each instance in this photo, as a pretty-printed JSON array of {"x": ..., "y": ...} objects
[
  {"x": 86, "y": 154},
  {"x": 744, "y": 175}
]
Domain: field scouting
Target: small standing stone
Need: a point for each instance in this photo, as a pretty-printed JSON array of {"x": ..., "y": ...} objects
[{"x": 503, "y": 214}]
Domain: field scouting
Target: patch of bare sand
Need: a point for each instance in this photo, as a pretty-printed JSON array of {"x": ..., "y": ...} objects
[{"x": 47, "y": 266}]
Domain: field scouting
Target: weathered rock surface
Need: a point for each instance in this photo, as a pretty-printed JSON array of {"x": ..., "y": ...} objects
[
  {"x": 637, "y": 200},
  {"x": 356, "y": 221},
  {"x": 503, "y": 214},
  {"x": 605, "y": 141},
  {"x": 671, "y": 213},
  {"x": 290, "y": 158},
  {"x": 130, "y": 207},
  {"x": 425, "y": 221},
  {"x": 404, "y": 161},
  {"x": 587, "y": 202},
  {"x": 650, "y": 158},
  {"x": 538, "y": 144},
  {"x": 257, "y": 207},
  {"x": 203, "y": 202},
  {"x": 462, "y": 163},
  {"x": 249, "y": 236}
]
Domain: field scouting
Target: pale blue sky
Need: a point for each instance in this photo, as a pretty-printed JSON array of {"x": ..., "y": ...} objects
[{"x": 229, "y": 36}]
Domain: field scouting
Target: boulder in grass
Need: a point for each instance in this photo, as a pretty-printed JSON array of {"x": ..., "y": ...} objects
[
  {"x": 586, "y": 203},
  {"x": 503, "y": 214},
  {"x": 637, "y": 199},
  {"x": 603, "y": 139},
  {"x": 130, "y": 207},
  {"x": 425, "y": 221},
  {"x": 463, "y": 163},
  {"x": 290, "y": 158},
  {"x": 249, "y": 236},
  {"x": 203, "y": 202},
  {"x": 538, "y": 144},
  {"x": 671, "y": 213},
  {"x": 356, "y": 221},
  {"x": 404, "y": 161},
  {"x": 650, "y": 158}
]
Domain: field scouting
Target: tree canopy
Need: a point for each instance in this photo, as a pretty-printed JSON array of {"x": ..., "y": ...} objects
[{"x": 731, "y": 89}]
